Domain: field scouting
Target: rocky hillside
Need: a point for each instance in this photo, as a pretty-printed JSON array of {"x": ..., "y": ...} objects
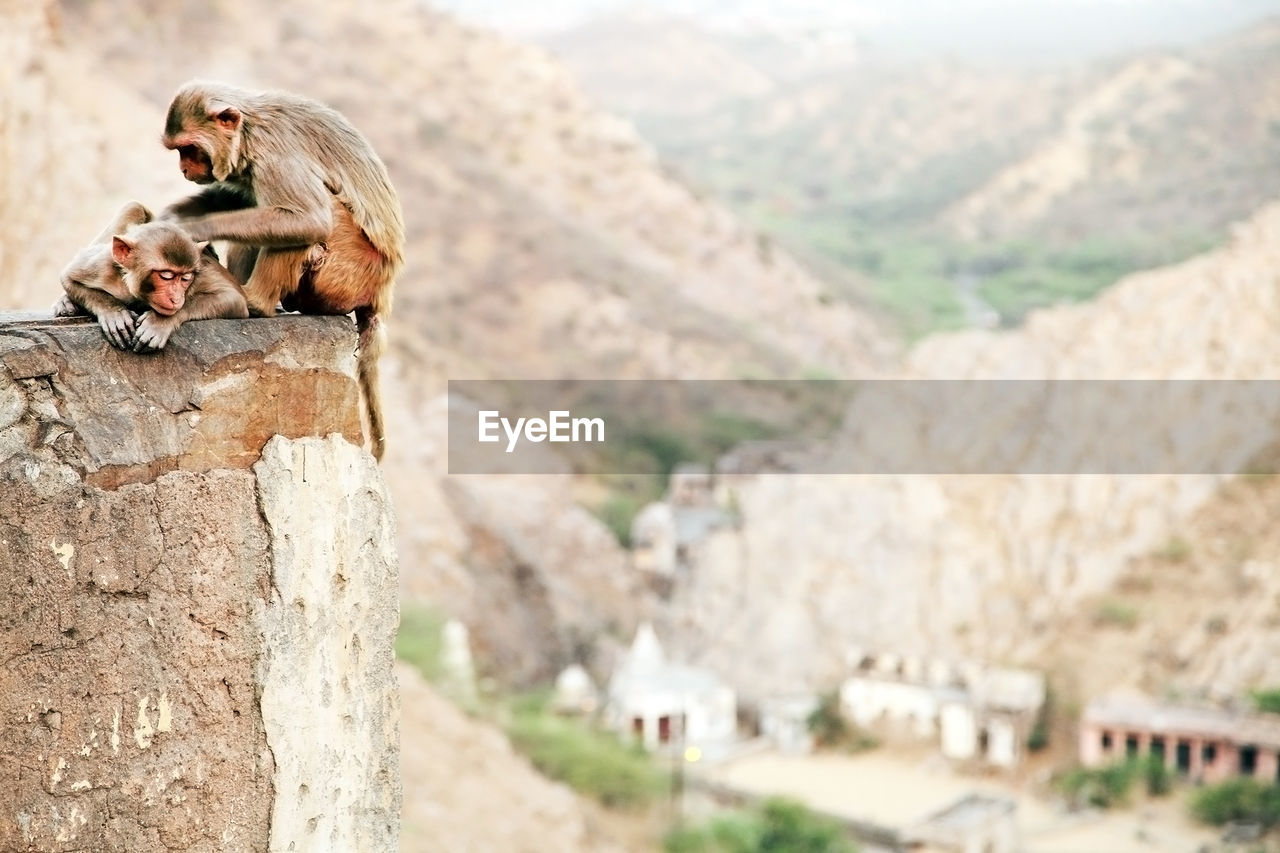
[
  {"x": 1181, "y": 138},
  {"x": 1026, "y": 186},
  {"x": 466, "y": 789},
  {"x": 1003, "y": 567},
  {"x": 1196, "y": 617}
]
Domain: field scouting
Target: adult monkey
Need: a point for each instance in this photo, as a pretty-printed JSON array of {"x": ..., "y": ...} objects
[{"x": 306, "y": 203}]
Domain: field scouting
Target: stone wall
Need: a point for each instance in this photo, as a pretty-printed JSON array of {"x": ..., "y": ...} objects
[{"x": 198, "y": 594}]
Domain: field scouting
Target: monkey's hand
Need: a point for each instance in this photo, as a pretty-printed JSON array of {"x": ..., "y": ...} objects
[
  {"x": 118, "y": 324},
  {"x": 153, "y": 331},
  {"x": 64, "y": 307}
]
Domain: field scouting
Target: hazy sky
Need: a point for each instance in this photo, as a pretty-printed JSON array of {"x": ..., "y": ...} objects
[{"x": 1018, "y": 29}]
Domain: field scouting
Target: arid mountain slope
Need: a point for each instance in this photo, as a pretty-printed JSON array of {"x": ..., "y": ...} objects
[
  {"x": 544, "y": 239},
  {"x": 1198, "y": 617},
  {"x": 1177, "y": 140},
  {"x": 956, "y": 194},
  {"x": 466, "y": 789},
  {"x": 998, "y": 567}
]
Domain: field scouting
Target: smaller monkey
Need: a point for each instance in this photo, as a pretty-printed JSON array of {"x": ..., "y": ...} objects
[{"x": 143, "y": 279}]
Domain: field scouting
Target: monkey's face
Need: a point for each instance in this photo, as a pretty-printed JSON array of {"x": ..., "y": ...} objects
[
  {"x": 195, "y": 164},
  {"x": 205, "y": 131},
  {"x": 160, "y": 263},
  {"x": 166, "y": 290}
]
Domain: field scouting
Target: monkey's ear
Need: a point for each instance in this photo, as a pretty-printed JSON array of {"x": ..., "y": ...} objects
[
  {"x": 202, "y": 245},
  {"x": 227, "y": 118},
  {"x": 121, "y": 249}
]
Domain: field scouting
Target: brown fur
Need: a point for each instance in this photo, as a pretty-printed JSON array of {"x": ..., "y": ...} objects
[
  {"x": 308, "y": 205},
  {"x": 115, "y": 279}
]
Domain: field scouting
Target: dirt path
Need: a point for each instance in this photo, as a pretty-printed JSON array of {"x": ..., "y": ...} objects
[{"x": 896, "y": 791}]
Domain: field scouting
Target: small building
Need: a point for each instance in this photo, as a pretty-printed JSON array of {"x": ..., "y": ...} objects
[
  {"x": 690, "y": 484},
  {"x": 976, "y": 823},
  {"x": 785, "y": 721},
  {"x": 1204, "y": 744},
  {"x": 976, "y": 712},
  {"x": 664, "y": 533},
  {"x": 653, "y": 540},
  {"x": 870, "y": 697},
  {"x": 663, "y": 703},
  {"x": 575, "y": 692}
]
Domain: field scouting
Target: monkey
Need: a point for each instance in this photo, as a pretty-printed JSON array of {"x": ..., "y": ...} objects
[
  {"x": 143, "y": 279},
  {"x": 307, "y": 205}
]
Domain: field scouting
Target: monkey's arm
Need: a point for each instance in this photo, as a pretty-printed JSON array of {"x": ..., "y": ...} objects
[
  {"x": 294, "y": 209},
  {"x": 214, "y": 295},
  {"x": 220, "y": 197},
  {"x": 114, "y": 317}
]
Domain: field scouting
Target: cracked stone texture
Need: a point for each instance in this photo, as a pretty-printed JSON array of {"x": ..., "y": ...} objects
[
  {"x": 219, "y": 390},
  {"x": 182, "y": 636}
]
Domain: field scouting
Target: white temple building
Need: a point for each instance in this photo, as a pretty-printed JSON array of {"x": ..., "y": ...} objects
[
  {"x": 668, "y": 704},
  {"x": 575, "y": 692}
]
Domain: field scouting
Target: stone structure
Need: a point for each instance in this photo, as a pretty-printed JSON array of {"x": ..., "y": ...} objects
[
  {"x": 665, "y": 533},
  {"x": 1203, "y": 744},
  {"x": 977, "y": 712},
  {"x": 575, "y": 692},
  {"x": 458, "y": 670},
  {"x": 662, "y": 703},
  {"x": 199, "y": 594}
]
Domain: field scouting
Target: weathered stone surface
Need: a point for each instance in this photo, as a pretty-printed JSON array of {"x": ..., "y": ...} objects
[
  {"x": 211, "y": 400},
  {"x": 128, "y": 647},
  {"x": 326, "y": 632},
  {"x": 194, "y": 655}
]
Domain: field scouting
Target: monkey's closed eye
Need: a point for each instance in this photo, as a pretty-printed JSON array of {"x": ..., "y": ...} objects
[{"x": 168, "y": 275}]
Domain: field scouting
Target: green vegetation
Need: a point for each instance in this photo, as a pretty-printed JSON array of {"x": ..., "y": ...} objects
[
  {"x": 1156, "y": 774},
  {"x": 777, "y": 826},
  {"x": 1109, "y": 786},
  {"x": 912, "y": 271},
  {"x": 1242, "y": 799},
  {"x": 420, "y": 640},
  {"x": 620, "y": 508},
  {"x": 1116, "y": 614},
  {"x": 1176, "y": 550},
  {"x": 592, "y": 762},
  {"x": 1267, "y": 701},
  {"x": 1038, "y": 737},
  {"x": 832, "y": 730}
]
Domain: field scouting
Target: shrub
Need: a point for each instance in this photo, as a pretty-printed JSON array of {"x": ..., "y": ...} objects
[
  {"x": 1116, "y": 614},
  {"x": 1176, "y": 550},
  {"x": 832, "y": 730},
  {"x": 1105, "y": 787},
  {"x": 1038, "y": 737},
  {"x": 420, "y": 640},
  {"x": 618, "y": 512},
  {"x": 592, "y": 762},
  {"x": 1267, "y": 701},
  {"x": 777, "y": 826},
  {"x": 1243, "y": 799},
  {"x": 1157, "y": 776}
]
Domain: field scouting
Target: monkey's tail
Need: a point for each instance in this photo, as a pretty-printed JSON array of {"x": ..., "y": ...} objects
[{"x": 373, "y": 342}]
